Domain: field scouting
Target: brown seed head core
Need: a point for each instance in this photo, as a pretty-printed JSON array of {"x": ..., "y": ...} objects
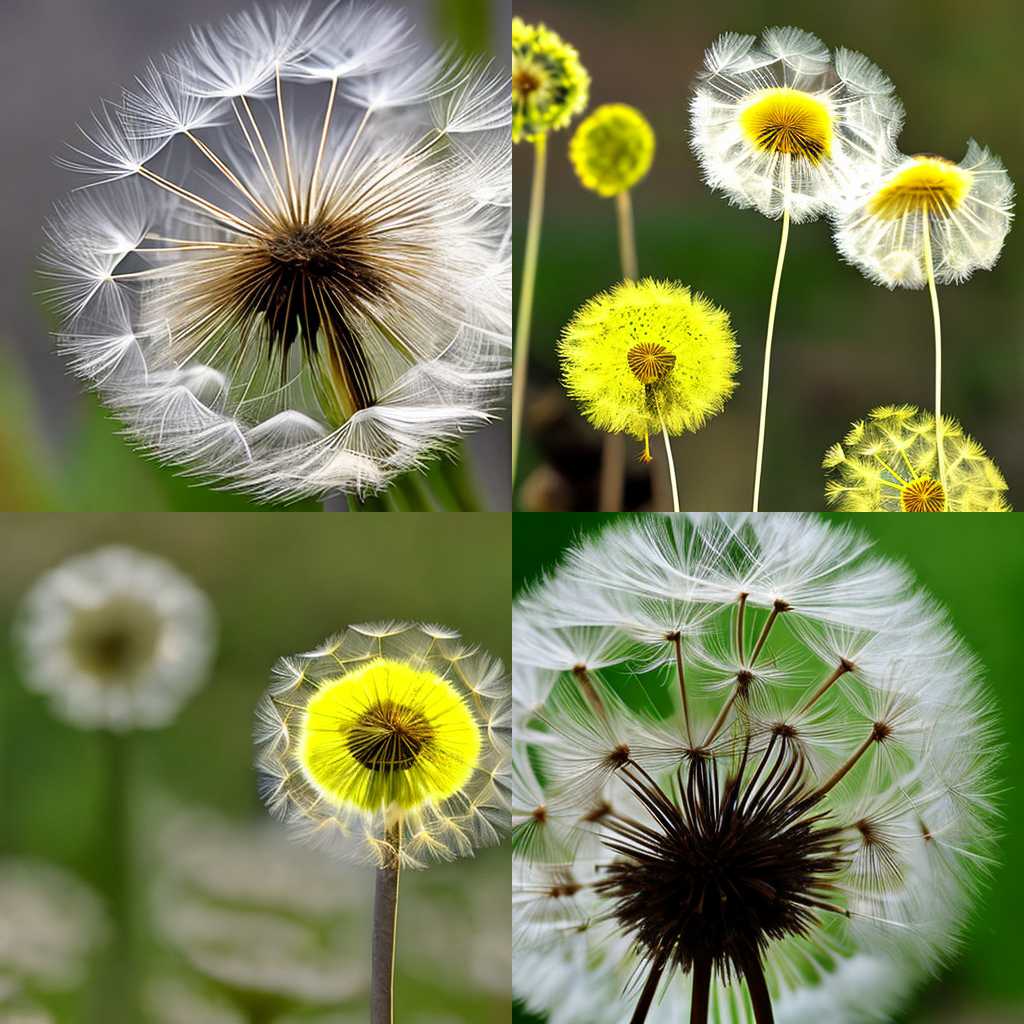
[
  {"x": 389, "y": 737},
  {"x": 650, "y": 362}
]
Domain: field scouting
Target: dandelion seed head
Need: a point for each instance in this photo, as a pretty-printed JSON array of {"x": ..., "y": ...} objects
[
  {"x": 647, "y": 353},
  {"x": 766, "y": 786},
  {"x": 549, "y": 84},
  {"x": 289, "y": 272},
  {"x": 926, "y": 207},
  {"x": 390, "y": 739},
  {"x": 612, "y": 149},
  {"x": 889, "y": 463},
  {"x": 116, "y": 639}
]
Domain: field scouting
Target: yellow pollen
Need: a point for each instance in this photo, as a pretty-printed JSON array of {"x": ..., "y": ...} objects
[
  {"x": 650, "y": 362},
  {"x": 930, "y": 185},
  {"x": 923, "y": 495},
  {"x": 789, "y": 122}
]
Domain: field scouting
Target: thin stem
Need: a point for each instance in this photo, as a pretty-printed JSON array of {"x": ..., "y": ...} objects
[
  {"x": 758, "y": 989},
  {"x": 768, "y": 357},
  {"x": 228, "y": 173},
  {"x": 701, "y": 992},
  {"x": 643, "y": 1006},
  {"x": 589, "y": 691},
  {"x": 939, "y": 448},
  {"x": 716, "y": 726},
  {"x": 841, "y": 669},
  {"x": 677, "y": 640},
  {"x": 740, "y": 634},
  {"x": 314, "y": 181},
  {"x": 627, "y": 236},
  {"x": 671, "y": 465},
  {"x": 385, "y": 921},
  {"x": 766, "y": 630},
  {"x": 526, "y": 289},
  {"x": 284, "y": 145},
  {"x": 844, "y": 769}
]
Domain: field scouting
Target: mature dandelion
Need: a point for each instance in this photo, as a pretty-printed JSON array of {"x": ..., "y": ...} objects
[
  {"x": 293, "y": 271},
  {"x": 781, "y": 125},
  {"x": 390, "y": 744},
  {"x": 890, "y": 463},
  {"x": 924, "y": 219},
  {"x": 760, "y": 760},
  {"x": 549, "y": 87},
  {"x": 611, "y": 151},
  {"x": 649, "y": 357}
]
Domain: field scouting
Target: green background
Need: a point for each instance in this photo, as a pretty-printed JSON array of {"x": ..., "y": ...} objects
[
  {"x": 977, "y": 572},
  {"x": 280, "y": 583},
  {"x": 842, "y": 345}
]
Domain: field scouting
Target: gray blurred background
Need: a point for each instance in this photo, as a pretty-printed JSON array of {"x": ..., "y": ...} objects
[{"x": 58, "y": 59}]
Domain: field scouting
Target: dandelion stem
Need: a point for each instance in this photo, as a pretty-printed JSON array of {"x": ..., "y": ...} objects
[
  {"x": 844, "y": 769},
  {"x": 701, "y": 992},
  {"x": 385, "y": 921},
  {"x": 841, "y": 669},
  {"x": 939, "y": 448},
  {"x": 284, "y": 144},
  {"x": 643, "y": 1006},
  {"x": 740, "y": 634},
  {"x": 314, "y": 181},
  {"x": 766, "y": 629},
  {"x": 589, "y": 691},
  {"x": 228, "y": 173},
  {"x": 671, "y": 465},
  {"x": 677, "y": 641},
  {"x": 627, "y": 236},
  {"x": 526, "y": 289},
  {"x": 768, "y": 357},
  {"x": 761, "y": 1001}
]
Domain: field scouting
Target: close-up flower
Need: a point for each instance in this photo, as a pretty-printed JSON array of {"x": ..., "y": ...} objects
[
  {"x": 889, "y": 462},
  {"x": 116, "y": 639},
  {"x": 549, "y": 84},
  {"x": 612, "y": 149},
  {"x": 758, "y": 783},
  {"x": 290, "y": 270},
  {"x": 649, "y": 357}
]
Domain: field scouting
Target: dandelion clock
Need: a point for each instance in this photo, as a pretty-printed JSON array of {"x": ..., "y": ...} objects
[
  {"x": 752, "y": 777},
  {"x": 389, "y": 745},
  {"x": 288, "y": 269}
]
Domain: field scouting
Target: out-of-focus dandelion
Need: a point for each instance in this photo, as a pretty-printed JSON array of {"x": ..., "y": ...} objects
[
  {"x": 756, "y": 747},
  {"x": 270, "y": 925},
  {"x": 925, "y": 220},
  {"x": 293, "y": 270},
  {"x": 549, "y": 87},
  {"x": 889, "y": 462},
  {"x": 649, "y": 357},
  {"x": 51, "y": 926},
  {"x": 389, "y": 743},
  {"x": 782, "y": 125},
  {"x": 611, "y": 151},
  {"x": 118, "y": 640}
]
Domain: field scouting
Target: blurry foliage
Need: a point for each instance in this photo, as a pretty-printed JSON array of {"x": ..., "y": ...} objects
[{"x": 976, "y": 570}]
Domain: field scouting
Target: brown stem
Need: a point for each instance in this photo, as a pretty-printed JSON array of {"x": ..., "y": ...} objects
[
  {"x": 643, "y": 1007},
  {"x": 841, "y": 670},
  {"x": 777, "y": 608},
  {"x": 716, "y": 728},
  {"x": 677, "y": 640},
  {"x": 385, "y": 920},
  {"x": 740, "y": 615},
  {"x": 700, "y": 997},
  {"x": 758, "y": 989},
  {"x": 843, "y": 770},
  {"x": 590, "y": 691}
]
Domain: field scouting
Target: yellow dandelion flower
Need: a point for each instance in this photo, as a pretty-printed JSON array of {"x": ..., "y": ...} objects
[
  {"x": 649, "y": 356},
  {"x": 612, "y": 149},
  {"x": 549, "y": 84},
  {"x": 890, "y": 463}
]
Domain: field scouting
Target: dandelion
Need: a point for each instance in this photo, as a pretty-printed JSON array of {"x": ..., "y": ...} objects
[
  {"x": 549, "y": 87},
  {"x": 782, "y": 125},
  {"x": 291, "y": 271},
  {"x": 770, "y": 699},
  {"x": 611, "y": 151},
  {"x": 924, "y": 219},
  {"x": 889, "y": 462},
  {"x": 649, "y": 356},
  {"x": 389, "y": 743}
]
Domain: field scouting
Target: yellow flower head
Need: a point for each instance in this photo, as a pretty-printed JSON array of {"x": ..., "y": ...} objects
[
  {"x": 612, "y": 149},
  {"x": 648, "y": 353},
  {"x": 889, "y": 463},
  {"x": 549, "y": 84},
  {"x": 389, "y": 741},
  {"x": 388, "y": 735}
]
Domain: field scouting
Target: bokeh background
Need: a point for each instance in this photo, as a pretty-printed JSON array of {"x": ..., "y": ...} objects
[
  {"x": 280, "y": 583},
  {"x": 975, "y": 570},
  {"x": 58, "y": 59},
  {"x": 842, "y": 345}
]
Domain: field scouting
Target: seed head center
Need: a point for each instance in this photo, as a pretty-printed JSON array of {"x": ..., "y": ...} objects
[
  {"x": 650, "y": 362},
  {"x": 789, "y": 122},
  {"x": 923, "y": 495},
  {"x": 525, "y": 81},
  {"x": 389, "y": 737},
  {"x": 931, "y": 186}
]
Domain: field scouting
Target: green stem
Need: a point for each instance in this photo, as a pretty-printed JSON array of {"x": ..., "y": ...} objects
[
  {"x": 520, "y": 358},
  {"x": 940, "y": 451}
]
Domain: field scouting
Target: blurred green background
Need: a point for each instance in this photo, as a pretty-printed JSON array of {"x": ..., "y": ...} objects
[
  {"x": 842, "y": 345},
  {"x": 280, "y": 584},
  {"x": 977, "y": 572}
]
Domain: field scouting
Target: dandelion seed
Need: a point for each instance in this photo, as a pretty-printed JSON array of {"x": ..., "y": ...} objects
[
  {"x": 389, "y": 743},
  {"x": 549, "y": 87},
  {"x": 889, "y": 463},
  {"x": 925, "y": 220},
  {"x": 763, "y": 787},
  {"x": 116, "y": 639},
  {"x": 291, "y": 271},
  {"x": 782, "y": 125},
  {"x": 649, "y": 357}
]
